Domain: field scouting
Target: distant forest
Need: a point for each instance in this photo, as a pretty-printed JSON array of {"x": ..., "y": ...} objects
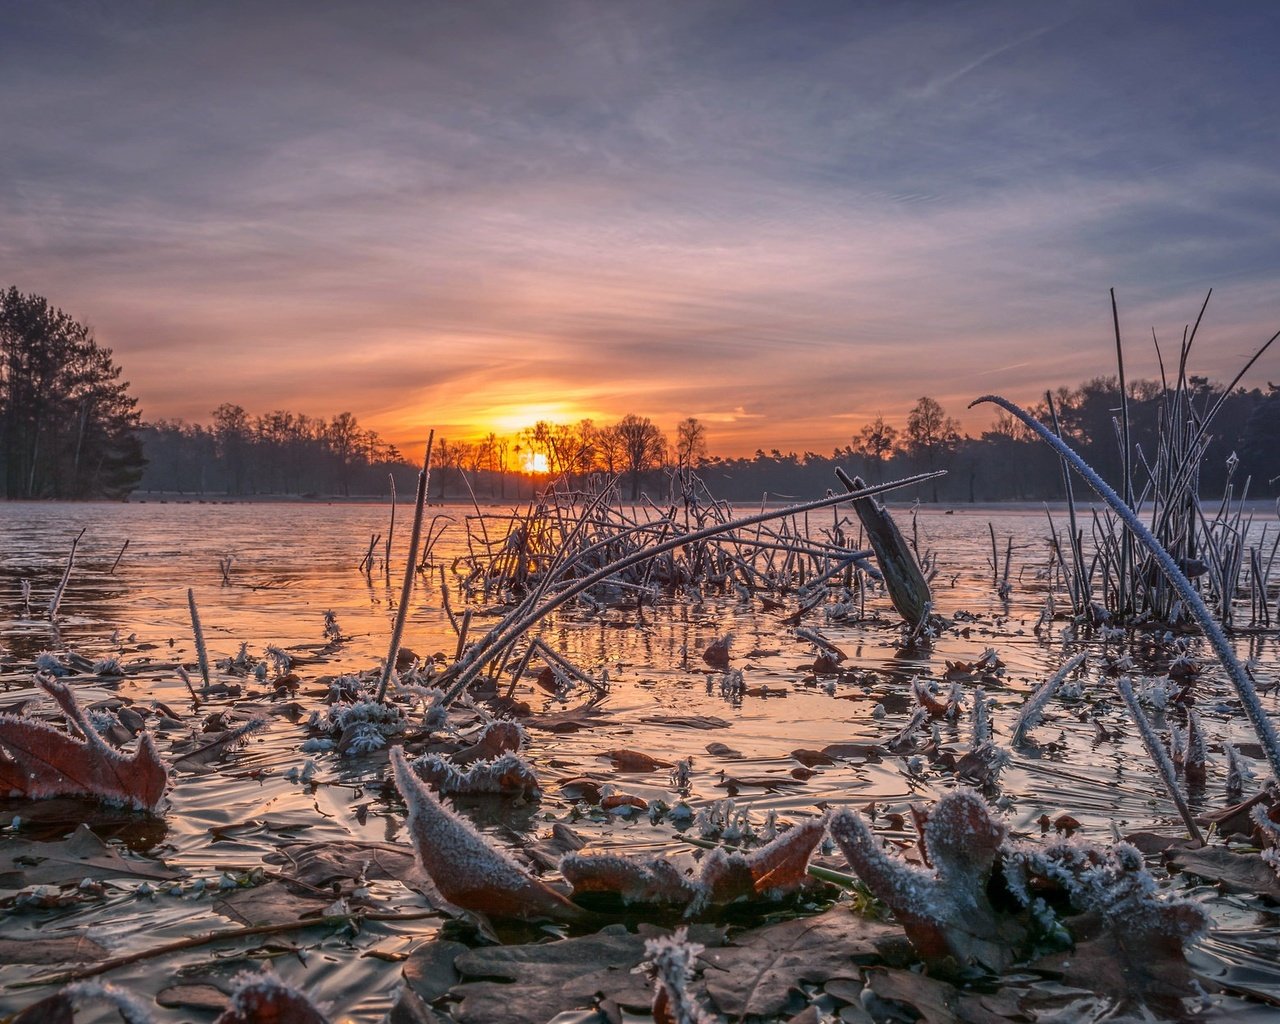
[
  {"x": 291, "y": 454},
  {"x": 69, "y": 428}
]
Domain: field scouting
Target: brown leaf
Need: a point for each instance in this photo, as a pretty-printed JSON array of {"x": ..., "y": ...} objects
[
  {"x": 464, "y": 867},
  {"x": 717, "y": 653},
  {"x": 1235, "y": 820},
  {"x": 77, "y": 949},
  {"x": 945, "y": 912},
  {"x": 37, "y": 760},
  {"x": 936, "y": 1002},
  {"x": 755, "y": 976},
  {"x": 1234, "y": 872},
  {"x": 687, "y": 721},
  {"x": 812, "y": 758},
  {"x": 1144, "y": 969},
  {"x": 581, "y": 788},
  {"x": 870, "y": 751},
  {"x": 585, "y": 716},
  {"x": 634, "y": 761},
  {"x": 769, "y": 873},
  {"x": 532, "y": 984},
  {"x": 319, "y": 865},
  {"x": 265, "y": 999},
  {"x": 498, "y": 738},
  {"x": 84, "y": 855}
]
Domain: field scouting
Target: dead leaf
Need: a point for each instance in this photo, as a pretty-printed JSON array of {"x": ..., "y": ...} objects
[
  {"x": 945, "y": 912},
  {"x": 319, "y": 865},
  {"x": 37, "y": 760},
  {"x": 581, "y": 788},
  {"x": 755, "y": 976},
  {"x": 532, "y": 984},
  {"x": 1151, "y": 971},
  {"x": 429, "y": 971},
  {"x": 870, "y": 751},
  {"x": 265, "y": 999},
  {"x": 1234, "y": 872},
  {"x": 717, "y": 653},
  {"x": 585, "y": 716},
  {"x": 84, "y": 855},
  {"x": 271, "y": 903},
  {"x": 634, "y": 761},
  {"x": 770, "y": 872},
  {"x": 936, "y": 1002},
  {"x": 1235, "y": 820},
  {"x": 705, "y": 722},
  {"x": 465, "y": 869},
  {"x": 812, "y": 758},
  {"x": 498, "y": 738},
  {"x": 77, "y": 949}
]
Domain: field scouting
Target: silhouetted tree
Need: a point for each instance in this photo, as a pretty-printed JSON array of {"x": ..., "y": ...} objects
[
  {"x": 691, "y": 442},
  {"x": 67, "y": 422},
  {"x": 642, "y": 447},
  {"x": 874, "y": 442},
  {"x": 931, "y": 434}
]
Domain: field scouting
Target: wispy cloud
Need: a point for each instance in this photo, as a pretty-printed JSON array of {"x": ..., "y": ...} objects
[{"x": 781, "y": 219}]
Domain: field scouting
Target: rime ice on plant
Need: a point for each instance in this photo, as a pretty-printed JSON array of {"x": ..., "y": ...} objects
[
  {"x": 1033, "y": 709},
  {"x": 671, "y": 958},
  {"x": 109, "y": 666},
  {"x": 50, "y": 664},
  {"x": 771, "y": 872},
  {"x": 506, "y": 774},
  {"x": 946, "y": 911},
  {"x": 262, "y": 996},
  {"x": 1112, "y": 882},
  {"x": 39, "y": 761},
  {"x": 463, "y": 866}
]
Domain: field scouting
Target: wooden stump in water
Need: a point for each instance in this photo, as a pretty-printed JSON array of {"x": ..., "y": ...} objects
[{"x": 908, "y": 589}]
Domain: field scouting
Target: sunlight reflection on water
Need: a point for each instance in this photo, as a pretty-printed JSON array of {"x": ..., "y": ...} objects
[{"x": 290, "y": 563}]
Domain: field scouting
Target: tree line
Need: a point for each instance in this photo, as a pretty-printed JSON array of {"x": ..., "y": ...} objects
[{"x": 70, "y": 429}]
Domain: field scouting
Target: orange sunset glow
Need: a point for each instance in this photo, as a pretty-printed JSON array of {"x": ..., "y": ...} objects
[{"x": 771, "y": 223}]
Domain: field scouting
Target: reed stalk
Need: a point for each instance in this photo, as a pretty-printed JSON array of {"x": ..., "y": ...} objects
[
  {"x": 197, "y": 631},
  {"x": 458, "y": 675},
  {"x": 410, "y": 570},
  {"x": 1163, "y": 765},
  {"x": 1240, "y": 680},
  {"x": 56, "y": 600}
]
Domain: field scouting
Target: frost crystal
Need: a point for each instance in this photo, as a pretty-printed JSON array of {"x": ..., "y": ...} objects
[
  {"x": 1113, "y": 882},
  {"x": 1033, "y": 709},
  {"x": 464, "y": 867},
  {"x": 109, "y": 666},
  {"x": 946, "y": 911},
  {"x": 130, "y": 1009},
  {"x": 672, "y": 960},
  {"x": 506, "y": 774},
  {"x": 49, "y": 663}
]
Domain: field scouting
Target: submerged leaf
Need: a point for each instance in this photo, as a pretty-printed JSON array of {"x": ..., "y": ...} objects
[{"x": 464, "y": 867}]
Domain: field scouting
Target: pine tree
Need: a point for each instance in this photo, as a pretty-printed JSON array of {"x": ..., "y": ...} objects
[{"x": 68, "y": 425}]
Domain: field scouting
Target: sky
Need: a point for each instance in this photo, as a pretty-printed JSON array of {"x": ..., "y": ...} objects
[{"x": 781, "y": 218}]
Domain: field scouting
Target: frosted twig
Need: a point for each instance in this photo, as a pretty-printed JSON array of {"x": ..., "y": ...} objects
[
  {"x": 1244, "y": 687},
  {"x": 1033, "y": 708},
  {"x": 56, "y": 600},
  {"x": 202, "y": 653},
  {"x": 410, "y": 569},
  {"x": 1163, "y": 765}
]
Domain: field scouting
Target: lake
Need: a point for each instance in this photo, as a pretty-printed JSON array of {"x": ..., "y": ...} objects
[{"x": 290, "y": 563}]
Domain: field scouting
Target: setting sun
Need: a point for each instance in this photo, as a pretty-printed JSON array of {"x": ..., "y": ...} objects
[{"x": 533, "y": 462}]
